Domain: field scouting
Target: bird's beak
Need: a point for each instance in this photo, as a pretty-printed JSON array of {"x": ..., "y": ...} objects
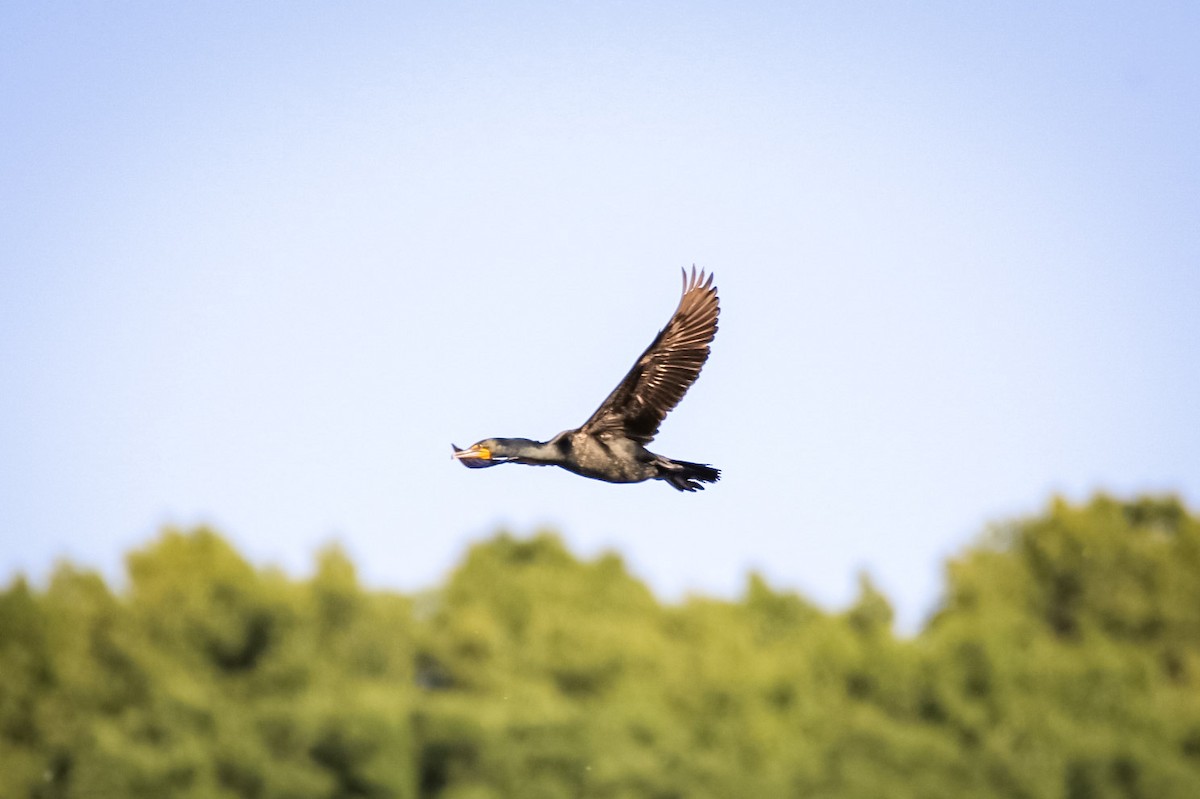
[
  {"x": 474, "y": 456},
  {"x": 472, "y": 452}
]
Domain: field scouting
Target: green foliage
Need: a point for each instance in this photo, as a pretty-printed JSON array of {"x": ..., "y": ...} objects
[{"x": 1064, "y": 662}]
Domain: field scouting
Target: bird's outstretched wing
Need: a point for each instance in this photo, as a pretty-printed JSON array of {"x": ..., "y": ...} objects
[{"x": 665, "y": 371}]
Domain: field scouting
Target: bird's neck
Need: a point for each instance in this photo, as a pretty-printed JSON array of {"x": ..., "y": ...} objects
[{"x": 528, "y": 451}]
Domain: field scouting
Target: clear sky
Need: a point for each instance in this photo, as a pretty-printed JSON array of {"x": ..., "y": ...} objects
[{"x": 261, "y": 263}]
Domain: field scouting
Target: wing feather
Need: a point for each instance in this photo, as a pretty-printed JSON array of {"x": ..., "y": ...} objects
[{"x": 666, "y": 370}]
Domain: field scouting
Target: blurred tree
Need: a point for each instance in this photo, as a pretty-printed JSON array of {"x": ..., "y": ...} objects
[{"x": 1063, "y": 662}]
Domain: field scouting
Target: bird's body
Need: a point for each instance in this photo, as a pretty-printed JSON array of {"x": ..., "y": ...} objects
[{"x": 610, "y": 445}]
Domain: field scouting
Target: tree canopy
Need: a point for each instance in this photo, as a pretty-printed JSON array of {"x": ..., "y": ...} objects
[{"x": 1063, "y": 661}]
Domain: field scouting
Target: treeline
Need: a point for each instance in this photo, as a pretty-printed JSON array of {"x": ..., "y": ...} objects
[{"x": 1064, "y": 662}]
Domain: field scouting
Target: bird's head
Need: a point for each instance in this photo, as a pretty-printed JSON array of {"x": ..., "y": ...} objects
[{"x": 482, "y": 454}]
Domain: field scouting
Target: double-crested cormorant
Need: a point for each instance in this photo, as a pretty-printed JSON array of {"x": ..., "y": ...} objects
[{"x": 611, "y": 444}]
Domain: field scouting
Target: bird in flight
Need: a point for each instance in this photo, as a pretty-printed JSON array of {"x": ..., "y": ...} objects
[{"x": 611, "y": 445}]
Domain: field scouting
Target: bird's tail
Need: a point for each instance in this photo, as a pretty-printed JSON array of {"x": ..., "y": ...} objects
[{"x": 685, "y": 475}]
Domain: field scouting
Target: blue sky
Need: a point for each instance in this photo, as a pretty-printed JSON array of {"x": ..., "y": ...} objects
[{"x": 262, "y": 264}]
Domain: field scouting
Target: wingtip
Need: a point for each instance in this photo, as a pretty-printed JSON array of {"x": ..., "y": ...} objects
[{"x": 697, "y": 280}]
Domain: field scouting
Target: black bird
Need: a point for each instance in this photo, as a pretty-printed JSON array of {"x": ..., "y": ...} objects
[{"x": 611, "y": 444}]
